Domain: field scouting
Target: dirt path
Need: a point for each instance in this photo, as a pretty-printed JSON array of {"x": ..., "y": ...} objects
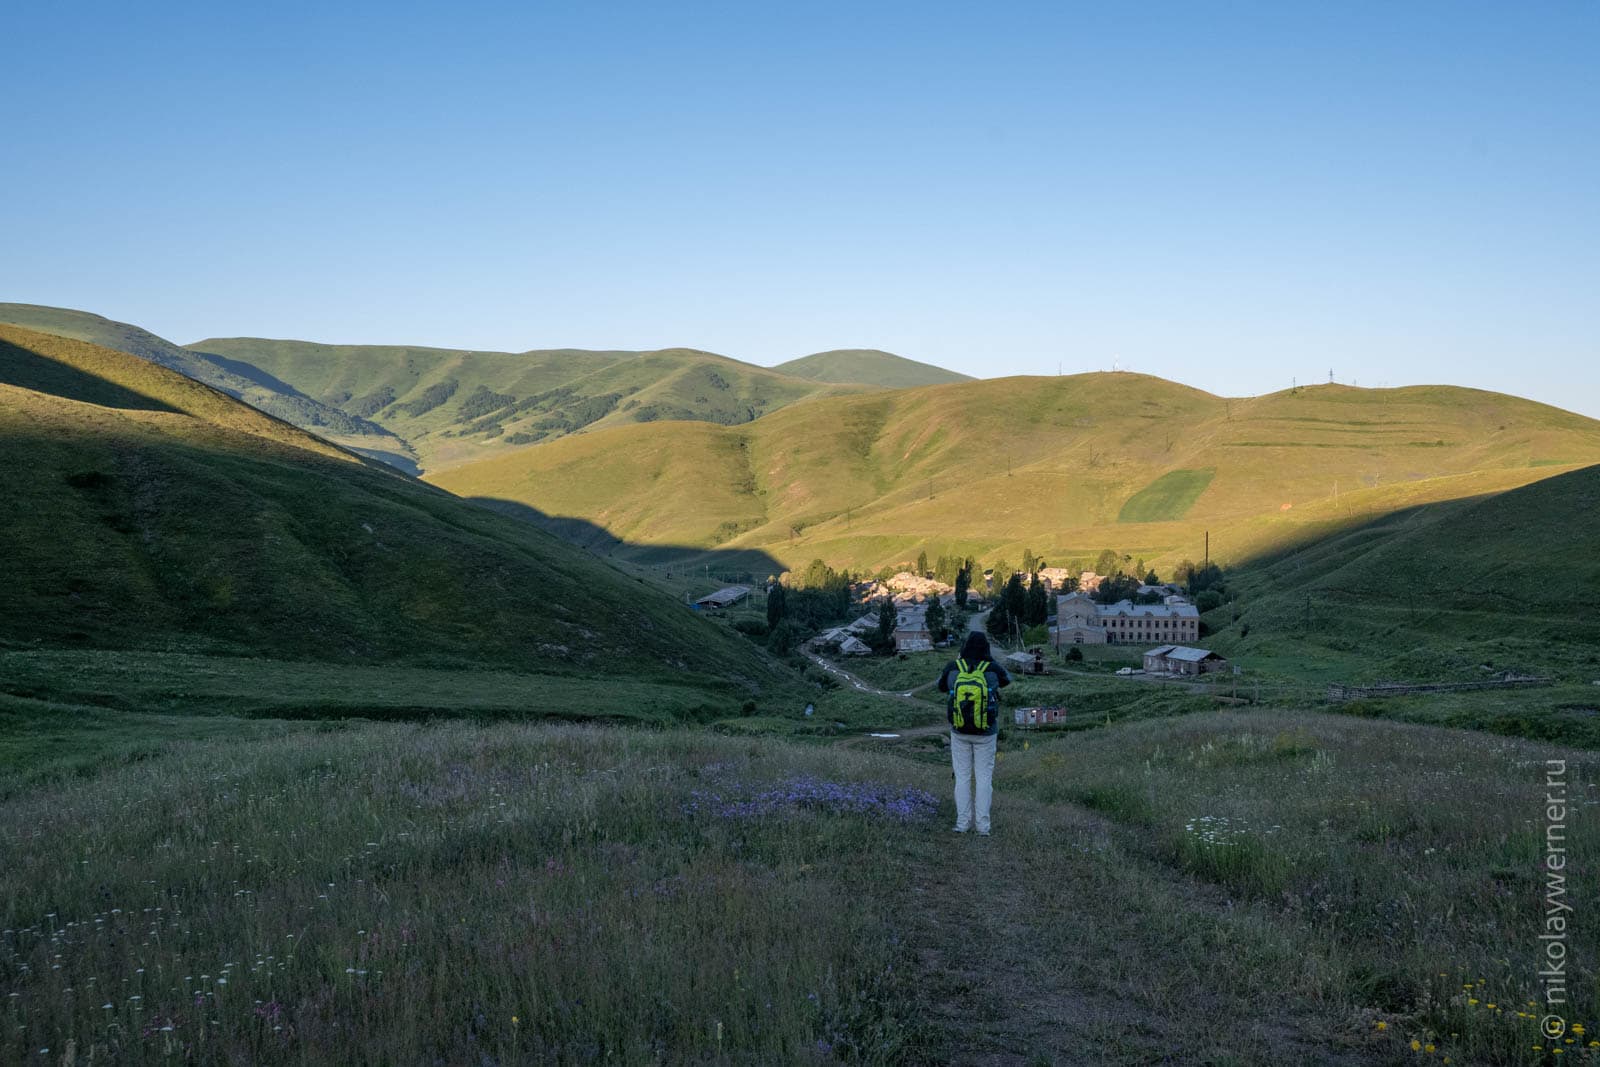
[
  {"x": 1062, "y": 939},
  {"x": 859, "y": 684}
]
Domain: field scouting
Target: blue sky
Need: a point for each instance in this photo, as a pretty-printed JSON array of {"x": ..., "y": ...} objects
[{"x": 1231, "y": 195}]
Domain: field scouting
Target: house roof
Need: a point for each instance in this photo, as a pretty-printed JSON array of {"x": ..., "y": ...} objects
[
  {"x": 728, "y": 595},
  {"x": 1160, "y": 650},
  {"x": 1128, "y": 609},
  {"x": 1156, "y": 611},
  {"x": 1192, "y": 655}
]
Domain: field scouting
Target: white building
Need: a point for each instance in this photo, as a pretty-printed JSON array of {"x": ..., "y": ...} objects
[{"x": 1080, "y": 621}]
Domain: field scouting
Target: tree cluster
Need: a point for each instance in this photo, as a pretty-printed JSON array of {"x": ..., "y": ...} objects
[
  {"x": 818, "y": 597},
  {"x": 947, "y": 569}
]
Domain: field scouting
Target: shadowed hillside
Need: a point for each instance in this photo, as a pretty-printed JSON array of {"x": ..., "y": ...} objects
[
  {"x": 868, "y": 366},
  {"x": 145, "y": 510},
  {"x": 1507, "y": 580},
  {"x": 1065, "y": 466}
]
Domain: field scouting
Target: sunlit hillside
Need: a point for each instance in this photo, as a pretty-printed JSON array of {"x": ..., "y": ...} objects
[{"x": 1066, "y": 466}]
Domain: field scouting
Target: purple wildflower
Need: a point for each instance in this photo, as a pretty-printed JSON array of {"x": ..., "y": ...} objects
[{"x": 815, "y": 794}]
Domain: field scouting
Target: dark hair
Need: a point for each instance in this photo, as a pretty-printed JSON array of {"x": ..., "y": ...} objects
[{"x": 976, "y": 648}]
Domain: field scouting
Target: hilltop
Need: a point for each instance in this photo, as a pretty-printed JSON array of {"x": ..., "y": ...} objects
[
  {"x": 1065, "y": 466},
  {"x": 150, "y": 512},
  {"x": 245, "y": 383},
  {"x": 868, "y": 366}
]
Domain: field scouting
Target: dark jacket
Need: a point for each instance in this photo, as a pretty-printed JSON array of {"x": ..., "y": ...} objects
[{"x": 997, "y": 678}]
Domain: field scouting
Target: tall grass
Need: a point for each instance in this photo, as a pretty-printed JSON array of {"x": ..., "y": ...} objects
[
  {"x": 408, "y": 894},
  {"x": 1406, "y": 856}
]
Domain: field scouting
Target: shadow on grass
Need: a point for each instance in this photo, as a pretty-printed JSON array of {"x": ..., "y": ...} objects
[{"x": 752, "y": 564}]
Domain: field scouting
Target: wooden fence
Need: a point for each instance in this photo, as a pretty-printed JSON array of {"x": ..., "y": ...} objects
[{"x": 1337, "y": 692}]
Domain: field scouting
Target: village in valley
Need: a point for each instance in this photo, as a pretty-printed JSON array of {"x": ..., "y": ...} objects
[{"x": 1041, "y": 621}]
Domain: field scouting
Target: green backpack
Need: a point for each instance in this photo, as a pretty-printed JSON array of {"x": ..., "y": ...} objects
[{"x": 969, "y": 699}]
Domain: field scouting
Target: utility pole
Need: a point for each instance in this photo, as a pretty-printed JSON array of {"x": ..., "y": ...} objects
[{"x": 1208, "y": 548}]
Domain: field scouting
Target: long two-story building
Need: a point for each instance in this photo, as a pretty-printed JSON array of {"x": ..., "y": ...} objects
[{"x": 1081, "y": 621}]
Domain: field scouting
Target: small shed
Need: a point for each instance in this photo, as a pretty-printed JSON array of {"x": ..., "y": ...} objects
[
  {"x": 723, "y": 598},
  {"x": 1039, "y": 716},
  {"x": 853, "y": 646},
  {"x": 913, "y": 640},
  {"x": 1155, "y": 659},
  {"x": 1181, "y": 659},
  {"x": 1029, "y": 662}
]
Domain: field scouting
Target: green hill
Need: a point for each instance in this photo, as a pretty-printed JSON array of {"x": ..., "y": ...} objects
[
  {"x": 868, "y": 366},
  {"x": 1065, "y": 466},
  {"x": 453, "y": 406},
  {"x": 149, "y": 512},
  {"x": 241, "y": 382},
  {"x": 1440, "y": 589}
]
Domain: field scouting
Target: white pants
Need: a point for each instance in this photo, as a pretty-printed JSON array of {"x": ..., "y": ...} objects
[{"x": 969, "y": 753}]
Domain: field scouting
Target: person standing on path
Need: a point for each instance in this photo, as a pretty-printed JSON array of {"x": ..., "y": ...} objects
[{"x": 974, "y": 682}]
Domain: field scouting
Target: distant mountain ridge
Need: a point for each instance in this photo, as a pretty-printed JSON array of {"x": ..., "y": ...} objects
[
  {"x": 419, "y": 407},
  {"x": 455, "y": 405}
]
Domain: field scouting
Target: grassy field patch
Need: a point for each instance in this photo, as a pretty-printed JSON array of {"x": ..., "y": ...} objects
[{"x": 1167, "y": 498}]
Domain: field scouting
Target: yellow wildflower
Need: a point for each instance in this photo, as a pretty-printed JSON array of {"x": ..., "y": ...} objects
[
  {"x": 1416, "y": 1046},
  {"x": 1428, "y": 1048},
  {"x": 1382, "y": 1025}
]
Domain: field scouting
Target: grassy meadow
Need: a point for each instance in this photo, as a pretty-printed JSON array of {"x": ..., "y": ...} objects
[
  {"x": 406, "y": 893},
  {"x": 1212, "y": 887}
]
